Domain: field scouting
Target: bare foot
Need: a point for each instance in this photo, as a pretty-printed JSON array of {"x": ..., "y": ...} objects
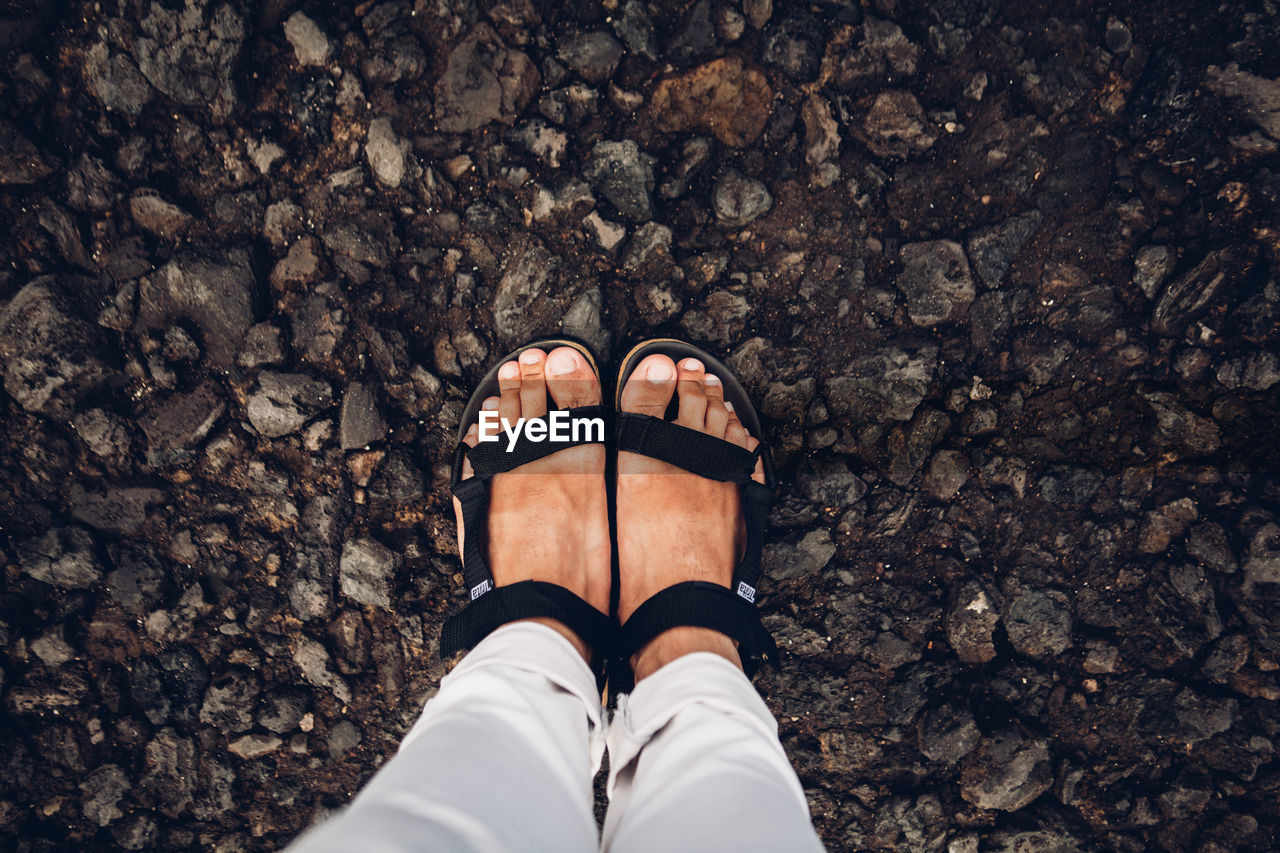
[
  {"x": 674, "y": 526},
  {"x": 548, "y": 519}
]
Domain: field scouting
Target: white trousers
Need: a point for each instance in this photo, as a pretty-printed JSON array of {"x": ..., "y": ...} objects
[{"x": 503, "y": 758}]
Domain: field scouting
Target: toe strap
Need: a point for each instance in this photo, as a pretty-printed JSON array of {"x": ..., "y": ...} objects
[
  {"x": 530, "y": 600},
  {"x": 694, "y": 451},
  {"x": 699, "y": 604}
]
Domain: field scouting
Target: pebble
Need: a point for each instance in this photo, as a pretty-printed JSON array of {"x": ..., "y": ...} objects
[
  {"x": 971, "y": 621},
  {"x": 386, "y": 153},
  {"x": 310, "y": 44},
  {"x": 366, "y": 571},
  {"x": 1038, "y": 624},
  {"x": 284, "y": 402},
  {"x": 722, "y": 97},
  {"x": 360, "y": 423},
  {"x": 738, "y": 200},
  {"x": 623, "y": 174},
  {"x": 1006, "y": 772},
  {"x": 935, "y": 279}
]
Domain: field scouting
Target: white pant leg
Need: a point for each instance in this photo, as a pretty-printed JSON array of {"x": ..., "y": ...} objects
[
  {"x": 502, "y": 758},
  {"x": 696, "y": 765}
]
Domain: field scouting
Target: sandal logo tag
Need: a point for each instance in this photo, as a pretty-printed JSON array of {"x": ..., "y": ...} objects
[
  {"x": 480, "y": 589},
  {"x": 558, "y": 426},
  {"x": 747, "y": 591}
]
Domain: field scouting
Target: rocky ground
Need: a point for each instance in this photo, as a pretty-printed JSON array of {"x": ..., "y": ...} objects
[{"x": 1004, "y": 281}]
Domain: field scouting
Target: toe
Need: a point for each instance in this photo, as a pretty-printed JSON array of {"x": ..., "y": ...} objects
[
  {"x": 533, "y": 386},
  {"x": 649, "y": 388},
  {"x": 693, "y": 395},
  {"x": 758, "y": 473},
  {"x": 717, "y": 414},
  {"x": 570, "y": 379},
  {"x": 509, "y": 386}
]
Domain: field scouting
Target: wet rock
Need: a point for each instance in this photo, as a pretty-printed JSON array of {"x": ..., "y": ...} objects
[
  {"x": 483, "y": 81},
  {"x": 527, "y": 273},
  {"x": 115, "y": 80},
  {"x": 1151, "y": 266},
  {"x": 635, "y": 29},
  {"x": 344, "y": 737},
  {"x": 585, "y": 320},
  {"x": 1192, "y": 292},
  {"x": 254, "y": 745},
  {"x": 367, "y": 569},
  {"x": 821, "y": 131},
  {"x": 386, "y": 153},
  {"x": 883, "y": 386},
  {"x": 795, "y": 45},
  {"x": 947, "y": 734},
  {"x": 1039, "y": 624},
  {"x": 623, "y": 174},
  {"x": 1178, "y": 428},
  {"x": 1258, "y": 98},
  {"x": 738, "y": 200},
  {"x": 884, "y": 55},
  {"x": 1208, "y": 543},
  {"x": 731, "y": 102},
  {"x": 62, "y": 557},
  {"x": 1162, "y": 526},
  {"x": 1201, "y": 717},
  {"x": 936, "y": 281},
  {"x": 695, "y": 37},
  {"x": 594, "y": 55},
  {"x": 48, "y": 352},
  {"x": 229, "y": 703},
  {"x": 175, "y": 426},
  {"x": 282, "y": 710},
  {"x": 831, "y": 485},
  {"x": 284, "y": 402},
  {"x": 189, "y": 53},
  {"x": 896, "y": 126},
  {"x": 262, "y": 346},
  {"x": 947, "y": 472},
  {"x": 52, "y": 648},
  {"x": 214, "y": 292},
  {"x": 993, "y": 249},
  {"x": 783, "y": 561},
  {"x": 20, "y": 160},
  {"x": 1262, "y": 565},
  {"x": 310, "y": 44},
  {"x": 360, "y": 423},
  {"x": 1258, "y": 371},
  {"x": 1007, "y": 772},
  {"x": 313, "y": 660},
  {"x": 101, "y": 792}
]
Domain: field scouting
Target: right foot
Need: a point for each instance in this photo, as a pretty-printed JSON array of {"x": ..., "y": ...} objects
[{"x": 674, "y": 526}]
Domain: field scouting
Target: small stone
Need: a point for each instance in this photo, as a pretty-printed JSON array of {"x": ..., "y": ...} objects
[
  {"x": 254, "y": 745},
  {"x": 1201, "y": 717},
  {"x": 1101, "y": 658},
  {"x": 115, "y": 81},
  {"x": 52, "y": 648},
  {"x": 623, "y": 174},
  {"x": 101, "y": 792},
  {"x": 344, "y": 737},
  {"x": 1151, "y": 266},
  {"x": 585, "y": 320},
  {"x": 608, "y": 234},
  {"x": 229, "y": 702},
  {"x": 821, "y": 131},
  {"x": 285, "y": 401},
  {"x": 1178, "y": 428},
  {"x": 175, "y": 426},
  {"x": 62, "y": 557},
  {"x": 105, "y": 434},
  {"x": 1191, "y": 293},
  {"x": 649, "y": 246},
  {"x": 594, "y": 55},
  {"x": 1038, "y": 624},
  {"x": 483, "y": 81},
  {"x": 262, "y": 345},
  {"x": 313, "y": 659},
  {"x": 947, "y": 472},
  {"x": 386, "y": 153},
  {"x": 884, "y": 385},
  {"x": 936, "y": 281},
  {"x": 795, "y": 46},
  {"x": 1162, "y": 526},
  {"x": 366, "y": 570},
  {"x": 758, "y": 12},
  {"x": 993, "y": 249},
  {"x": 947, "y": 734},
  {"x": 154, "y": 214},
  {"x": 896, "y": 126},
  {"x": 1262, "y": 565},
  {"x": 215, "y": 293},
  {"x": 783, "y": 561},
  {"x": 635, "y": 29},
  {"x": 1119, "y": 39},
  {"x": 1006, "y": 772},
  {"x": 971, "y": 622},
  {"x": 738, "y": 200},
  {"x": 282, "y": 710},
  {"x": 360, "y": 423},
  {"x": 731, "y": 102},
  {"x": 20, "y": 160},
  {"x": 264, "y": 154},
  {"x": 1258, "y": 371},
  {"x": 310, "y": 44},
  {"x": 1258, "y": 97}
]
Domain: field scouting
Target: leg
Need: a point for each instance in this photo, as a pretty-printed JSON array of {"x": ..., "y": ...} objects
[
  {"x": 695, "y": 759},
  {"x": 696, "y": 765},
  {"x": 501, "y": 759}
]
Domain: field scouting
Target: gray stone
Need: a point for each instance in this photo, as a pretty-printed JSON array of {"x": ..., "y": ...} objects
[
  {"x": 623, "y": 174},
  {"x": 48, "y": 352},
  {"x": 650, "y": 243},
  {"x": 1151, "y": 266},
  {"x": 542, "y": 140},
  {"x": 189, "y": 53},
  {"x": 883, "y": 386},
  {"x": 1006, "y": 772},
  {"x": 896, "y": 126},
  {"x": 738, "y": 200},
  {"x": 285, "y": 401},
  {"x": 344, "y": 737},
  {"x": 313, "y": 660},
  {"x": 757, "y": 12},
  {"x": 254, "y": 745},
  {"x": 936, "y": 281},
  {"x": 947, "y": 734},
  {"x": 883, "y": 55},
  {"x": 282, "y": 709},
  {"x": 635, "y": 29},
  {"x": 386, "y": 153},
  {"x": 947, "y": 472},
  {"x": 721, "y": 319},
  {"x": 229, "y": 702},
  {"x": 367, "y": 569},
  {"x": 593, "y": 55},
  {"x": 215, "y": 293},
  {"x": 1187, "y": 296},
  {"x": 585, "y": 321},
  {"x": 1038, "y": 624},
  {"x": 310, "y": 44},
  {"x": 783, "y": 561},
  {"x": 62, "y": 557},
  {"x": 52, "y": 647},
  {"x": 20, "y": 160},
  {"x": 483, "y": 81},
  {"x": 1257, "y": 371},
  {"x": 154, "y": 214},
  {"x": 101, "y": 792},
  {"x": 1201, "y": 717},
  {"x": 1262, "y": 565},
  {"x": 971, "y": 621},
  {"x": 115, "y": 80},
  {"x": 1177, "y": 428},
  {"x": 175, "y": 426},
  {"x": 994, "y": 248},
  {"x": 527, "y": 271},
  {"x": 360, "y": 423},
  {"x": 795, "y": 45},
  {"x": 119, "y": 509},
  {"x": 831, "y": 485},
  {"x": 1258, "y": 97},
  {"x": 262, "y": 345}
]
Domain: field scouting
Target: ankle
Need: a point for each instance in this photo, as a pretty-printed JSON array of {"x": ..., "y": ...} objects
[
  {"x": 676, "y": 643},
  {"x": 564, "y": 631}
]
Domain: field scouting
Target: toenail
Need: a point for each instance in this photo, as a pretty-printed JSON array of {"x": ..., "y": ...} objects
[
  {"x": 560, "y": 363},
  {"x": 658, "y": 371},
  {"x": 692, "y": 364},
  {"x": 712, "y": 379},
  {"x": 510, "y": 370},
  {"x": 529, "y": 357},
  {"x": 489, "y": 405},
  {"x": 728, "y": 405}
]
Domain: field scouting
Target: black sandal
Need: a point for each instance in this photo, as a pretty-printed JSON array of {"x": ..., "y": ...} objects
[
  {"x": 493, "y": 606},
  {"x": 729, "y": 610}
]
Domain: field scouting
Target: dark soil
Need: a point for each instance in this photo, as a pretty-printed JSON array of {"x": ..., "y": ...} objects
[{"x": 1002, "y": 279}]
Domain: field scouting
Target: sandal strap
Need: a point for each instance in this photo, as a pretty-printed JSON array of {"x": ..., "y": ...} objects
[
  {"x": 696, "y": 452},
  {"x": 492, "y": 457},
  {"x": 530, "y": 600},
  {"x": 701, "y": 605}
]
